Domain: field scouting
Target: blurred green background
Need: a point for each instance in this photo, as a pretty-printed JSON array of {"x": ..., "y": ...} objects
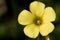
[{"x": 10, "y": 29}]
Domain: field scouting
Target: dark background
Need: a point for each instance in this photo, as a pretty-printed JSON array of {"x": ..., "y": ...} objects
[{"x": 10, "y": 29}]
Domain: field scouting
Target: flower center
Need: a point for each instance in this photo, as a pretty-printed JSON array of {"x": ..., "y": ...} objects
[{"x": 37, "y": 21}]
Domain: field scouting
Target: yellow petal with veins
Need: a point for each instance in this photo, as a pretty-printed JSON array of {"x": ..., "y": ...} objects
[
  {"x": 49, "y": 14},
  {"x": 25, "y": 17},
  {"x": 31, "y": 31},
  {"x": 37, "y": 8},
  {"x": 46, "y": 28}
]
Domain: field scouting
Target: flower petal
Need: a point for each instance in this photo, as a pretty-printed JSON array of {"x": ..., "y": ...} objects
[
  {"x": 37, "y": 8},
  {"x": 25, "y": 17},
  {"x": 31, "y": 31},
  {"x": 49, "y": 14},
  {"x": 46, "y": 28}
]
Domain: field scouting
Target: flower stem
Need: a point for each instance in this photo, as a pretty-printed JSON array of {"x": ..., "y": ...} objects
[{"x": 47, "y": 38}]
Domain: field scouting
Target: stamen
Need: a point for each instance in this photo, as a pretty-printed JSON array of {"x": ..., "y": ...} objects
[{"x": 38, "y": 22}]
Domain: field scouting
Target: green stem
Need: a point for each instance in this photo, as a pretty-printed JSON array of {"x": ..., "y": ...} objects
[{"x": 47, "y": 37}]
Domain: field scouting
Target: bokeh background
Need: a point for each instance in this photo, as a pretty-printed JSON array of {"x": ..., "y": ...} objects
[{"x": 10, "y": 29}]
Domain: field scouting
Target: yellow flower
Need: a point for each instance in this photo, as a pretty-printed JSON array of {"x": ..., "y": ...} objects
[{"x": 38, "y": 20}]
